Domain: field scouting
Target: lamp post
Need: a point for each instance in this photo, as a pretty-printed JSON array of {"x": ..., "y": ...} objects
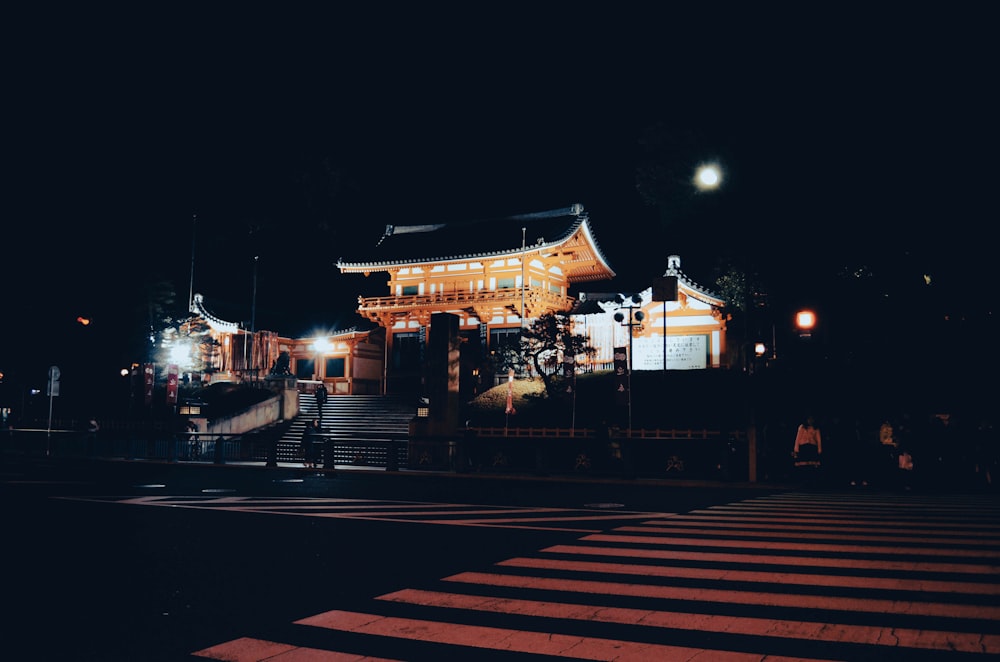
[
  {"x": 634, "y": 319},
  {"x": 805, "y": 322}
]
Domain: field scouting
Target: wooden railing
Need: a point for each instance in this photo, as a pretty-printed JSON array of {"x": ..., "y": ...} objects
[{"x": 465, "y": 298}]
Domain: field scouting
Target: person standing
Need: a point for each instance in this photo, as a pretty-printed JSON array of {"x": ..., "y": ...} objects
[
  {"x": 888, "y": 459},
  {"x": 194, "y": 445},
  {"x": 309, "y": 440},
  {"x": 321, "y": 395},
  {"x": 808, "y": 445}
]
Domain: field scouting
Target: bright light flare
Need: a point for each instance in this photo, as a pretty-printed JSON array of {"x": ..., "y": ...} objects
[
  {"x": 708, "y": 177},
  {"x": 322, "y": 345},
  {"x": 805, "y": 320},
  {"x": 180, "y": 353}
]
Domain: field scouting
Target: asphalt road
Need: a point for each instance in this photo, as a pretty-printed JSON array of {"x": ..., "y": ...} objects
[{"x": 144, "y": 561}]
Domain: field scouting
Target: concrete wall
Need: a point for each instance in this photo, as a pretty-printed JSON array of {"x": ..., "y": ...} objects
[
  {"x": 257, "y": 416},
  {"x": 284, "y": 405}
]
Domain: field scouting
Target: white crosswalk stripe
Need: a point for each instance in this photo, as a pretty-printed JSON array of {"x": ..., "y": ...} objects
[
  {"x": 575, "y": 520},
  {"x": 781, "y": 577}
]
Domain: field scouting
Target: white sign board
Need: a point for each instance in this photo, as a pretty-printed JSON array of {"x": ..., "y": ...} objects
[{"x": 682, "y": 353}]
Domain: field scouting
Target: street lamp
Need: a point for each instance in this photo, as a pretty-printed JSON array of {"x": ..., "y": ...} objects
[
  {"x": 805, "y": 320},
  {"x": 708, "y": 177},
  {"x": 635, "y": 318},
  {"x": 320, "y": 347}
]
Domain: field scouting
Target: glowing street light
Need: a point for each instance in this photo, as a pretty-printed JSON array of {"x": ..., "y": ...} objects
[
  {"x": 805, "y": 320},
  {"x": 708, "y": 177},
  {"x": 320, "y": 347}
]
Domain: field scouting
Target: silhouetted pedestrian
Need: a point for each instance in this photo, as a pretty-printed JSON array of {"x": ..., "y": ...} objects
[
  {"x": 321, "y": 395},
  {"x": 309, "y": 441},
  {"x": 808, "y": 447}
]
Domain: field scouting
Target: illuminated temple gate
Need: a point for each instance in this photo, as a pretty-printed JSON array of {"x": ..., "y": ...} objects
[{"x": 493, "y": 275}]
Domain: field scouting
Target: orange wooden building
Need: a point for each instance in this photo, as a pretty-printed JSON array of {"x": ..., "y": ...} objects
[
  {"x": 492, "y": 274},
  {"x": 348, "y": 361}
]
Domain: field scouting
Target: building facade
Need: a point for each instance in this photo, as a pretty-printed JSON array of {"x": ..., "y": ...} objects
[
  {"x": 493, "y": 275},
  {"x": 350, "y": 361},
  {"x": 684, "y": 329}
]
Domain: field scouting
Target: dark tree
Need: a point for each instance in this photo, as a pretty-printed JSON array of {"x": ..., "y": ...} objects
[{"x": 544, "y": 343}]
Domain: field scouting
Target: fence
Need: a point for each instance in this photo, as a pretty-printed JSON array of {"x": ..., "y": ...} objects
[{"x": 694, "y": 454}]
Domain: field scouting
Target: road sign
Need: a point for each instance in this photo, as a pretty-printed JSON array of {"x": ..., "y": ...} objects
[{"x": 54, "y": 375}]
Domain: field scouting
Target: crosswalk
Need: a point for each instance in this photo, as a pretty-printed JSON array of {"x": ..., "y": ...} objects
[
  {"x": 794, "y": 576},
  {"x": 575, "y": 520}
]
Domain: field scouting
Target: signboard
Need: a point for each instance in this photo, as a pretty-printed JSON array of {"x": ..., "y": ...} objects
[
  {"x": 665, "y": 288},
  {"x": 621, "y": 376},
  {"x": 53, "y": 386},
  {"x": 148, "y": 373},
  {"x": 569, "y": 372},
  {"x": 172, "y": 373},
  {"x": 682, "y": 353}
]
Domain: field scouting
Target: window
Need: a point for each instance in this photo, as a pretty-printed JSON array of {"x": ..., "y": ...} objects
[
  {"x": 304, "y": 368},
  {"x": 335, "y": 367},
  {"x": 505, "y": 337},
  {"x": 406, "y": 351},
  {"x": 411, "y": 290},
  {"x": 506, "y": 283}
]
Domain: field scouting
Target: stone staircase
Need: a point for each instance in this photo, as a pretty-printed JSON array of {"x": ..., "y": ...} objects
[{"x": 362, "y": 426}]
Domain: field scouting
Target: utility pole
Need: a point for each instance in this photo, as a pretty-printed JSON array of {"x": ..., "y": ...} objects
[
  {"x": 194, "y": 225},
  {"x": 523, "y": 247}
]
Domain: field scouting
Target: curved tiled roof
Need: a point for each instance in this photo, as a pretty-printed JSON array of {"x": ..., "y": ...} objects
[
  {"x": 590, "y": 302},
  {"x": 197, "y": 306},
  {"x": 402, "y": 245},
  {"x": 674, "y": 269}
]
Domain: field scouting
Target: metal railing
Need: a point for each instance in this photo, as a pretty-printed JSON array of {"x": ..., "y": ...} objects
[{"x": 701, "y": 454}]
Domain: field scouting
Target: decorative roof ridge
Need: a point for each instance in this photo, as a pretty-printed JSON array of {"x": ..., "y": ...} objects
[
  {"x": 197, "y": 306},
  {"x": 576, "y": 210},
  {"x": 674, "y": 269}
]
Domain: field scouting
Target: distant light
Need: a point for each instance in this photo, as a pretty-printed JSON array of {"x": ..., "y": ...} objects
[
  {"x": 124, "y": 372},
  {"x": 83, "y": 320},
  {"x": 805, "y": 319},
  {"x": 708, "y": 177},
  {"x": 759, "y": 349}
]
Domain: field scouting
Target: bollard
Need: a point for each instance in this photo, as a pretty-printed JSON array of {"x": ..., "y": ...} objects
[{"x": 219, "y": 457}]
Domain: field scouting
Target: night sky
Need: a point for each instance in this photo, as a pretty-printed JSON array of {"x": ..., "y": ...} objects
[{"x": 847, "y": 139}]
